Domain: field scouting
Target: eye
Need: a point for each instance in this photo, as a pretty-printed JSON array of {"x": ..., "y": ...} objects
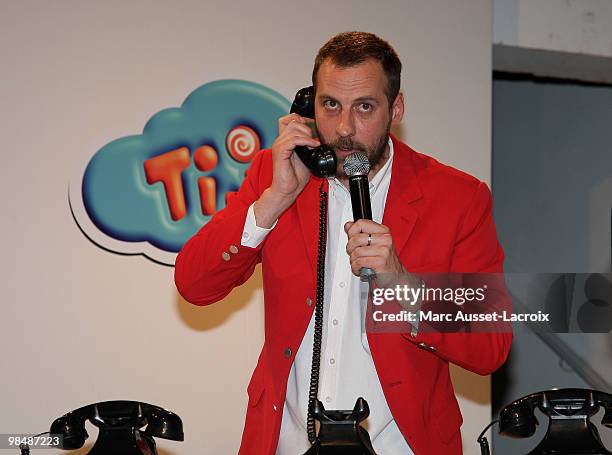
[
  {"x": 365, "y": 107},
  {"x": 330, "y": 104}
]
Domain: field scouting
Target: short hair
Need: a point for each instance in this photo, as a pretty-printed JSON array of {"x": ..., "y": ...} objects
[{"x": 349, "y": 49}]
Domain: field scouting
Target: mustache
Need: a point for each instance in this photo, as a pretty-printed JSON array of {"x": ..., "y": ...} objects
[{"x": 346, "y": 143}]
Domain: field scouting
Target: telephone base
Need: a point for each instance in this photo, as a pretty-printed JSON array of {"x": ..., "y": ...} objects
[
  {"x": 340, "y": 432},
  {"x": 571, "y": 436}
]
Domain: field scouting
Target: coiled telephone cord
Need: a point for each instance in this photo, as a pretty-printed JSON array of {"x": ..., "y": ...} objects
[{"x": 318, "y": 325}]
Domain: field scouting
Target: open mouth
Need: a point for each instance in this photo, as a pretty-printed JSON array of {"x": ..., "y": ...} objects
[{"x": 344, "y": 152}]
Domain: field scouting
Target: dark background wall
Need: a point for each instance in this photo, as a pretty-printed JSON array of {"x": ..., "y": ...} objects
[{"x": 552, "y": 184}]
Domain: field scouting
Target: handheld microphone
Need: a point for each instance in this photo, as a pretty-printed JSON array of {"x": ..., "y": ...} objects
[{"x": 356, "y": 167}]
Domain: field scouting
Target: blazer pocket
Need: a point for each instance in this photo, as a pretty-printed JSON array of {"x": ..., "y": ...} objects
[{"x": 448, "y": 421}]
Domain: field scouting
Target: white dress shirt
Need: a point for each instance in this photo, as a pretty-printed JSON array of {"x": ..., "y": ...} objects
[{"x": 347, "y": 369}]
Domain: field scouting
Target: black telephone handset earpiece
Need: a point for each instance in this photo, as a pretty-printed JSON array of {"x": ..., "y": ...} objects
[
  {"x": 570, "y": 430},
  {"x": 119, "y": 423},
  {"x": 321, "y": 160}
]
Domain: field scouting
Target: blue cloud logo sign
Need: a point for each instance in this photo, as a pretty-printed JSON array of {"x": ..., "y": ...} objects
[{"x": 149, "y": 193}]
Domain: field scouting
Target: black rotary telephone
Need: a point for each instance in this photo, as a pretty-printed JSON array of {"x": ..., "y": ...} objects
[
  {"x": 340, "y": 432},
  {"x": 119, "y": 423},
  {"x": 321, "y": 160},
  {"x": 570, "y": 431}
]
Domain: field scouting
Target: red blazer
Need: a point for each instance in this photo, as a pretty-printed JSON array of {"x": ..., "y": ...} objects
[{"x": 441, "y": 221}]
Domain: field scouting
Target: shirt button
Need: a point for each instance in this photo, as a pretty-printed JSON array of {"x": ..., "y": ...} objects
[
  {"x": 233, "y": 249},
  {"x": 328, "y": 399},
  {"x": 309, "y": 301},
  {"x": 274, "y": 407},
  {"x": 332, "y": 361},
  {"x": 335, "y": 322},
  {"x": 245, "y": 235},
  {"x": 225, "y": 256},
  {"x": 342, "y": 284},
  {"x": 287, "y": 353}
]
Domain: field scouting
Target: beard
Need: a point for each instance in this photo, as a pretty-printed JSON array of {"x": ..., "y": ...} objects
[{"x": 375, "y": 152}]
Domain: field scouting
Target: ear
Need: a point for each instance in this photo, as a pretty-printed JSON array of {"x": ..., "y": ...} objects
[{"x": 397, "y": 109}]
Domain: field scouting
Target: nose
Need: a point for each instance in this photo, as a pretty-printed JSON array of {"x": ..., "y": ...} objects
[{"x": 346, "y": 124}]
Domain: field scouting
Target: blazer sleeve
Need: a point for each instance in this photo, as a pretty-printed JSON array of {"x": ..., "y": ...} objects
[
  {"x": 476, "y": 250},
  {"x": 213, "y": 261}
]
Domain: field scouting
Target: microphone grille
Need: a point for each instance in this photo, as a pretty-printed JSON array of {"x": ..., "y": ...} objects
[{"x": 356, "y": 163}]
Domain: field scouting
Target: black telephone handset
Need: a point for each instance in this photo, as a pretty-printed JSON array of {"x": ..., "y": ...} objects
[
  {"x": 570, "y": 430},
  {"x": 119, "y": 423},
  {"x": 321, "y": 160}
]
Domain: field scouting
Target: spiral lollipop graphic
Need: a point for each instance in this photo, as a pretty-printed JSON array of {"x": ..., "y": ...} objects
[{"x": 242, "y": 143}]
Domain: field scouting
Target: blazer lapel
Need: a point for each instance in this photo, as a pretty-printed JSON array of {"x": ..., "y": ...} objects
[
  {"x": 404, "y": 189},
  {"x": 308, "y": 214}
]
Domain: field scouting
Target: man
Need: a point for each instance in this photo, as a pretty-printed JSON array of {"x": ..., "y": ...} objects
[{"x": 427, "y": 217}]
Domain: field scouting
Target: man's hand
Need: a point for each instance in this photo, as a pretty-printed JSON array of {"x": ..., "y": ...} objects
[
  {"x": 370, "y": 245},
  {"x": 380, "y": 256},
  {"x": 290, "y": 176}
]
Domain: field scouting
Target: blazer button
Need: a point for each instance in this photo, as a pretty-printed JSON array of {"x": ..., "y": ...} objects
[
  {"x": 309, "y": 301},
  {"x": 288, "y": 353},
  {"x": 225, "y": 256},
  {"x": 233, "y": 249}
]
